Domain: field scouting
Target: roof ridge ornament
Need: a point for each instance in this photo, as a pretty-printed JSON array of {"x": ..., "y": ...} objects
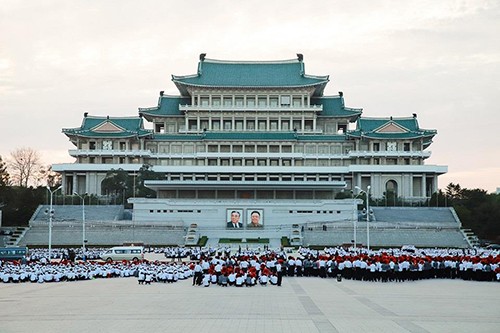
[{"x": 202, "y": 59}]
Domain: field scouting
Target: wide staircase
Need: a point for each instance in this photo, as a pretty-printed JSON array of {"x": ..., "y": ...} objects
[
  {"x": 394, "y": 227},
  {"x": 111, "y": 225},
  {"x": 104, "y": 226},
  {"x": 267, "y": 236}
]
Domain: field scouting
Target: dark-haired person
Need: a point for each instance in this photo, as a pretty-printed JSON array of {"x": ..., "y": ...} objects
[
  {"x": 255, "y": 220},
  {"x": 235, "y": 220}
]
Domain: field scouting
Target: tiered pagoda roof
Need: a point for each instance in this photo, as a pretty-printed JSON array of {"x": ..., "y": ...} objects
[
  {"x": 167, "y": 106},
  {"x": 391, "y": 128},
  {"x": 109, "y": 127},
  {"x": 250, "y": 74}
]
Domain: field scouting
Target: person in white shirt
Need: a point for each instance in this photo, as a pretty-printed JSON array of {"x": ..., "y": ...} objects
[
  {"x": 239, "y": 280},
  {"x": 206, "y": 280},
  {"x": 263, "y": 280}
]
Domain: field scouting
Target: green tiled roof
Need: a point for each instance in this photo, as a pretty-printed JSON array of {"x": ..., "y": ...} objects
[
  {"x": 109, "y": 127},
  {"x": 371, "y": 124},
  {"x": 391, "y": 128},
  {"x": 333, "y": 106},
  {"x": 321, "y": 137},
  {"x": 167, "y": 106},
  {"x": 178, "y": 137},
  {"x": 250, "y": 74}
]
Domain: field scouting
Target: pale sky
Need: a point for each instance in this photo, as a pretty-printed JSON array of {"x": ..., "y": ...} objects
[{"x": 439, "y": 59}]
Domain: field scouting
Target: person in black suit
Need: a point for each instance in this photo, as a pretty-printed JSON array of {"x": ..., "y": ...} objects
[
  {"x": 235, "y": 220},
  {"x": 255, "y": 220}
]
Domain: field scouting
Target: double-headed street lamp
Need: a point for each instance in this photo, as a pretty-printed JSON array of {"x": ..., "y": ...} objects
[
  {"x": 51, "y": 215},
  {"x": 368, "y": 213},
  {"x": 83, "y": 218}
]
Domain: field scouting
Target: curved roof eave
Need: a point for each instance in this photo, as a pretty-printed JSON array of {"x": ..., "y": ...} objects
[
  {"x": 250, "y": 87},
  {"x": 107, "y": 135},
  {"x": 388, "y": 136}
]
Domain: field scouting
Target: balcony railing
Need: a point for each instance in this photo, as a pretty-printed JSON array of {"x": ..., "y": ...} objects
[
  {"x": 294, "y": 155},
  {"x": 314, "y": 108},
  {"x": 388, "y": 153},
  {"x": 108, "y": 152},
  {"x": 182, "y": 130}
]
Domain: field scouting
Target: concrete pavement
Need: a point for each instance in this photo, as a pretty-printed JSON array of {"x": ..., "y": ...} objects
[{"x": 300, "y": 305}]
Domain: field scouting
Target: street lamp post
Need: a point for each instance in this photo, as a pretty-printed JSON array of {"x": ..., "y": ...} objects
[
  {"x": 368, "y": 213},
  {"x": 83, "y": 219},
  {"x": 355, "y": 220},
  {"x": 51, "y": 215},
  {"x": 368, "y": 217}
]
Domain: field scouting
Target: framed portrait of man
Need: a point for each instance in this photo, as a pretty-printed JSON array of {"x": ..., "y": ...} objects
[
  {"x": 234, "y": 218},
  {"x": 255, "y": 218}
]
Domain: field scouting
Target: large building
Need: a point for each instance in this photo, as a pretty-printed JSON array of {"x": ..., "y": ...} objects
[{"x": 253, "y": 136}]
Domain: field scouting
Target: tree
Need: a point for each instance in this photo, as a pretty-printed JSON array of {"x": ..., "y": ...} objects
[
  {"x": 145, "y": 173},
  {"x": 454, "y": 192},
  {"x": 4, "y": 175},
  {"x": 24, "y": 165},
  {"x": 49, "y": 177},
  {"x": 115, "y": 182}
]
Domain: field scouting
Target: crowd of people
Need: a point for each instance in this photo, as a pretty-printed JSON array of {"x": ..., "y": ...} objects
[{"x": 245, "y": 267}]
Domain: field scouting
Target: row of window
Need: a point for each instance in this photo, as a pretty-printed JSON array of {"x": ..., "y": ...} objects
[
  {"x": 252, "y": 177},
  {"x": 250, "y": 125},
  {"x": 174, "y": 211},
  {"x": 198, "y": 126},
  {"x": 321, "y": 149},
  {"x": 152, "y": 211},
  {"x": 251, "y": 101},
  {"x": 390, "y": 146},
  {"x": 247, "y": 194},
  {"x": 108, "y": 145},
  {"x": 275, "y": 162}
]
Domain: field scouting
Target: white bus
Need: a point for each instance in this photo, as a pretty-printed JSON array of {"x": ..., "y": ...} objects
[{"x": 118, "y": 253}]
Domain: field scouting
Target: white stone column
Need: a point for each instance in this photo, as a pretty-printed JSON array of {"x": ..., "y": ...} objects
[
  {"x": 424, "y": 194},
  {"x": 411, "y": 194},
  {"x": 75, "y": 184}
]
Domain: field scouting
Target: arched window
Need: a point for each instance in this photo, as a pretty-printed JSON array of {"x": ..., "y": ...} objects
[
  {"x": 392, "y": 186},
  {"x": 391, "y": 192}
]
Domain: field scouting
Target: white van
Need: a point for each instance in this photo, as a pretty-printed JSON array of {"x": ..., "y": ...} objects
[{"x": 118, "y": 253}]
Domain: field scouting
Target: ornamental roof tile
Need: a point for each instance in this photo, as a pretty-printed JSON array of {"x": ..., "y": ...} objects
[
  {"x": 333, "y": 106},
  {"x": 109, "y": 127},
  {"x": 167, "y": 106},
  {"x": 322, "y": 137},
  {"x": 177, "y": 137},
  {"x": 250, "y": 74}
]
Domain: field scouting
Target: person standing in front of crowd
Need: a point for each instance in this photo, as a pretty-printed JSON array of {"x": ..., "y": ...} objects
[
  {"x": 279, "y": 273},
  {"x": 198, "y": 270}
]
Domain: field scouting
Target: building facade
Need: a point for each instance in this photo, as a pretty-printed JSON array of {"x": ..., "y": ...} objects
[{"x": 242, "y": 133}]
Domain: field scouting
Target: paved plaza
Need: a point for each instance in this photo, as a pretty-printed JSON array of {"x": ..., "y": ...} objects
[{"x": 300, "y": 305}]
